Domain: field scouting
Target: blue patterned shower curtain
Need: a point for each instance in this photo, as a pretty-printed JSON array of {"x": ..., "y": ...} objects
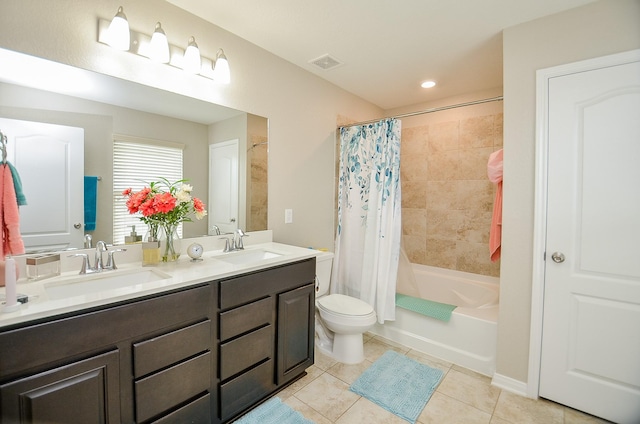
[{"x": 367, "y": 244}]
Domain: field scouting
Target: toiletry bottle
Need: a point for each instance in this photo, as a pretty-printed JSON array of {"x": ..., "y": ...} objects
[
  {"x": 150, "y": 251},
  {"x": 133, "y": 237}
]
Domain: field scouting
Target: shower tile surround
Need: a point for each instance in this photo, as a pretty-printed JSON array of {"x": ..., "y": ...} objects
[{"x": 447, "y": 199}]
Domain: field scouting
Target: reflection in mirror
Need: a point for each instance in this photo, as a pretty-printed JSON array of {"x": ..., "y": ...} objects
[{"x": 106, "y": 105}]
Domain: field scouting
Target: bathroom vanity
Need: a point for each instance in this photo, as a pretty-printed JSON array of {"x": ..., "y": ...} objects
[{"x": 202, "y": 347}]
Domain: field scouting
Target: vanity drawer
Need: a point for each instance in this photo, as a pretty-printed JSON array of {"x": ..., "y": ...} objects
[
  {"x": 246, "y": 318},
  {"x": 247, "y": 288},
  {"x": 167, "y": 349},
  {"x": 162, "y": 391},
  {"x": 245, "y": 351},
  {"x": 196, "y": 412},
  {"x": 243, "y": 391}
]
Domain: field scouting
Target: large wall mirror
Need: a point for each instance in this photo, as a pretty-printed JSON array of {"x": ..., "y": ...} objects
[{"x": 33, "y": 89}]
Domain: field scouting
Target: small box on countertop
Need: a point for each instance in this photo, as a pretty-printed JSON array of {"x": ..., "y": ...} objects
[{"x": 43, "y": 266}]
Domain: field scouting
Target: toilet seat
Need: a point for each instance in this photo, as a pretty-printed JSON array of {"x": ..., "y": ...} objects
[{"x": 339, "y": 304}]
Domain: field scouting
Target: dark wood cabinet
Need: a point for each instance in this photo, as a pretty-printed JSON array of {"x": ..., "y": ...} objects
[
  {"x": 204, "y": 354},
  {"x": 119, "y": 364},
  {"x": 266, "y": 333},
  {"x": 296, "y": 322},
  {"x": 92, "y": 385}
]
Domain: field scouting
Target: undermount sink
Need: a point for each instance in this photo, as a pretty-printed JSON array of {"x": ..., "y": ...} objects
[
  {"x": 244, "y": 257},
  {"x": 106, "y": 280}
]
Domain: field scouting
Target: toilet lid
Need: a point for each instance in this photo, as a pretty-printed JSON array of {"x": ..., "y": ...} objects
[{"x": 346, "y": 305}]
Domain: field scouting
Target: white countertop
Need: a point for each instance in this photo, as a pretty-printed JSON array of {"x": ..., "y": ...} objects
[{"x": 180, "y": 274}]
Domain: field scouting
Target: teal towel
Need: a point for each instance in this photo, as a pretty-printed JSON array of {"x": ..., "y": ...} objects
[
  {"x": 90, "y": 202},
  {"x": 17, "y": 185},
  {"x": 441, "y": 311}
]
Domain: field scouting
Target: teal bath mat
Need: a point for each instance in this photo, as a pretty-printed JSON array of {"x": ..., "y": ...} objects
[
  {"x": 399, "y": 384},
  {"x": 273, "y": 411},
  {"x": 432, "y": 309}
]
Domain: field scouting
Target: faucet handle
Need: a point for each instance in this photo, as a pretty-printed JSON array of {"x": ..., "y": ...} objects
[
  {"x": 229, "y": 245},
  {"x": 111, "y": 264},
  {"x": 85, "y": 262},
  {"x": 239, "y": 245}
]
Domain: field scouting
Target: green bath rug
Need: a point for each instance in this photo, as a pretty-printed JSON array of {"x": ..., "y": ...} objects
[{"x": 436, "y": 310}]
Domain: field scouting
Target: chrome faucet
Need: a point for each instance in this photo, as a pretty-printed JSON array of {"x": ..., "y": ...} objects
[
  {"x": 98, "y": 265},
  {"x": 87, "y": 241},
  {"x": 216, "y": 230},
  {"x": 234, "y": 243},
  {"x": 237, "y": 239},
  {"x": 101, "y": 247}
]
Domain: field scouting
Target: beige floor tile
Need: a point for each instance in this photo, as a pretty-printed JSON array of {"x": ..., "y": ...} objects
[
  {"x": 328, "y": 395},
  {"x": 308, "y": 412},
  {"x": 443, "y": 409},
  {"x": 522, "y": 410},
  {"x": 375, "y": 348},
  {"x": 367, "y": 412},
  {"x": 498, "y": 420},
  {"x": 571, "y": 416},
  {"x": 429, "y": 360},
  {"x": 322, "y": 361},
  {"x": 348, "y": 373},
  {"x": 313, "y": 372},
  {"x": 475, "y": 391},
  {"x": 471, "y": 373}
]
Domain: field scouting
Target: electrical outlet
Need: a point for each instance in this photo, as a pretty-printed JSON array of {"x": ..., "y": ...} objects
[{"x": 288, "y": 216}]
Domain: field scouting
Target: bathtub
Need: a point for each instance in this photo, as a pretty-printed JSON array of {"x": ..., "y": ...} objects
[{"x": 469, "y": 338}]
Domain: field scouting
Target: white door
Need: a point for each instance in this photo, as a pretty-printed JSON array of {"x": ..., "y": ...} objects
[
  {"x": 50, "y": 161},
  {"x": 223, "y": 186},
  {"x": 590, "y": 357}
]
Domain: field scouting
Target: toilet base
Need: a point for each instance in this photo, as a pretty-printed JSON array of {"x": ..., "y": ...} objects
[{"x": 347, "y": 348}]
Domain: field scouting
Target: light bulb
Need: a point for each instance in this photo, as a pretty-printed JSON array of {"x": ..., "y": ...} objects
[
  {"x": 191, "y": 58},
  {"x": 159, "y": 47},
  {"x": 118, "y": 32},
  {"x": 221, "y": 71}
]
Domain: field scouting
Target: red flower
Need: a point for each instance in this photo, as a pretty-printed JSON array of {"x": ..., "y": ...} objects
[
  {"x": 198, "y": 206},
  {"x": 164, "y": 202}
]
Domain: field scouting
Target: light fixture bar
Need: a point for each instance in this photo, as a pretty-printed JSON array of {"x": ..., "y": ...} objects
[{"x": 140, "y": 45}]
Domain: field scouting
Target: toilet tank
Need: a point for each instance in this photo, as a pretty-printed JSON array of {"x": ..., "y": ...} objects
[{"x": 324, "y": 260}]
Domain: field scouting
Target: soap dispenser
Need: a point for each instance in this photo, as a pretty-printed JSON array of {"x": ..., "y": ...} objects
[
  {"x": 150, "y": 251},
  {"x": 133, "y": 237}
]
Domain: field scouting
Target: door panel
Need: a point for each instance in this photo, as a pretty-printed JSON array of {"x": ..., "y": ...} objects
[
  {"x": 50, "y": 161},
  {"x": 591, "y": 322},
  {"x": 223, "y": 186}
]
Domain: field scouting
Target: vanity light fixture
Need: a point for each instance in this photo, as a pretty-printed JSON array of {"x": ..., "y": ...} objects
[
  {"x": 159, "y": 46},
  {"x": 118, "y": 34},
  {"x": 191, "y": 62},
  {"x": 221, "y": 71}
]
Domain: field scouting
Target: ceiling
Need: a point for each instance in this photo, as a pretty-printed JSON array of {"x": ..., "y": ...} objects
[{"x": 386, "y": 48}]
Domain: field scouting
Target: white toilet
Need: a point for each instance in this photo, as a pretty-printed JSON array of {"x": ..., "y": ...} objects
[{"x": 340, "y": 320}]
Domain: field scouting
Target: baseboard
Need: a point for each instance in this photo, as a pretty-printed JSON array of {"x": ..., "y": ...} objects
[{"x": 509, "y": 384}]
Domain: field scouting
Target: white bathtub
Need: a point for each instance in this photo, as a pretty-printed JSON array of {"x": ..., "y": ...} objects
[{"x": 469, "y": 338}]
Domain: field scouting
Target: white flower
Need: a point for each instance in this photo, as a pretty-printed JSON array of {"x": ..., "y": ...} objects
[
  {"x": 186, "y": 187},
  {"x": 200, "y": 215},
  {"x": 183, "y": 196}
]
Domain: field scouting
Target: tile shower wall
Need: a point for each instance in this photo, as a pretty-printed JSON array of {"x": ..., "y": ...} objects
[{"x": 447, "y": 200}]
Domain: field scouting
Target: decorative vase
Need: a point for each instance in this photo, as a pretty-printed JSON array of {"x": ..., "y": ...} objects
[{"x": 170, "y": 243}]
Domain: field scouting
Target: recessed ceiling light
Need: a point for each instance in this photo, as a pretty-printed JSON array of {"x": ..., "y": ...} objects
[{"x": 428, "y": 84}]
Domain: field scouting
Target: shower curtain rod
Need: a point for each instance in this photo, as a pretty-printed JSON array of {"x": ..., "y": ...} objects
[{"x": 422, "y": 112}]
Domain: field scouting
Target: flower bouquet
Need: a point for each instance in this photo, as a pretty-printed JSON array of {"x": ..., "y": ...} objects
[{"x": 164, "y": 205}]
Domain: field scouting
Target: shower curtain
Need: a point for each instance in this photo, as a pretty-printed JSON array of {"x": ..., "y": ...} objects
[{"x": 367, "y": 243}]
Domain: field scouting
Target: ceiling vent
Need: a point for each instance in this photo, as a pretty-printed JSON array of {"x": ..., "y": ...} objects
[{"x": 326, "y": 62}]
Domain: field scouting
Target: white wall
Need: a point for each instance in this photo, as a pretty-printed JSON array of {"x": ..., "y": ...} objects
[
  {"x": 598, "y": 29},
  {"x": 302, "y": 108}
]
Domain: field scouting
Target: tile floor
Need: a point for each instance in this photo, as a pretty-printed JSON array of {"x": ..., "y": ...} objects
[{"x": 463, "y": 396}]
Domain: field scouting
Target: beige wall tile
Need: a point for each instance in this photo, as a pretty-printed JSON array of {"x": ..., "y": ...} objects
[
  {"x": 414, "y": 222},
  {"x": 477, "y": 132},
  {"x": 443, "y": 136},
  {"x": 414, "y": 194}
]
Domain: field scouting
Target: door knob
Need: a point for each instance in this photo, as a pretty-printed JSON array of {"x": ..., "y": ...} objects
[
  {"x": 77, "y": 225},
  {"x": 557, "y": 257}
]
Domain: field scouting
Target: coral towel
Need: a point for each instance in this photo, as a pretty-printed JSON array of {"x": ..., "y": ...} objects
[
  {"x": 12, "y": 243},
  {"x": 494, "y": 171}
]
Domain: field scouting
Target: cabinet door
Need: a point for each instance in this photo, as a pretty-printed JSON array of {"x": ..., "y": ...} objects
[
  {"x": 83, "y": 392},
  {"x": 296, "y": 320}
]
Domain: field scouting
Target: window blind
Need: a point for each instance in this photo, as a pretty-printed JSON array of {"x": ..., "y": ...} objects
[{"x": 137, "y": 162}]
